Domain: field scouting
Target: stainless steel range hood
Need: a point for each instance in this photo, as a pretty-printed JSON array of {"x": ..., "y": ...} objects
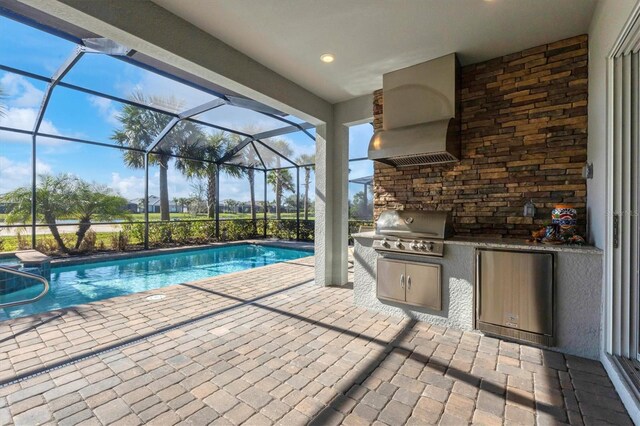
[{"x": 420, "y": 115}]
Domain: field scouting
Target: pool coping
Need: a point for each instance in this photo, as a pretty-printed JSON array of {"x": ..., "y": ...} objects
[{"x": 105, "y": 257}]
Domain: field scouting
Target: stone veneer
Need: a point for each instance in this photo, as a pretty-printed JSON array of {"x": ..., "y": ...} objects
[{"x": 524, "y": 136}]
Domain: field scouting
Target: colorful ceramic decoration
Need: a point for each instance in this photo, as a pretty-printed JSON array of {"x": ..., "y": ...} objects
[
  {"x": 550, "y": 233},
  {"x": 565, "y": 218},
  {"x": 562, "y": 229}
]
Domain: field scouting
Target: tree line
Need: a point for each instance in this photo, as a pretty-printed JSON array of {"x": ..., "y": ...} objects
[{"x": 187, "y": 143}]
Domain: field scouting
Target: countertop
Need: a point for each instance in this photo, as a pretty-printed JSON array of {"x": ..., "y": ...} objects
[{"x": 504, "y": 243}]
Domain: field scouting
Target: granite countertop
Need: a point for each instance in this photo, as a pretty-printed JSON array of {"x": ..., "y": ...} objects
[{"x": 504, "y": 243}]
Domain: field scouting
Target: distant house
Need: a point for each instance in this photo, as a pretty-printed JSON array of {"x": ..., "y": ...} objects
[
  {"x": 132, "y": 206},
  {"x": 6, "y": 207},
  {"x": 137, "y": 205}
]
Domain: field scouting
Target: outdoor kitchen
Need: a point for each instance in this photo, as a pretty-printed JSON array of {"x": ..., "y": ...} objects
[{"x": 480, "y": 190}]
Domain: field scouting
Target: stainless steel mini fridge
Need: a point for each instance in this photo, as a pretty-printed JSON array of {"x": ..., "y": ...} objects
[{"x": 515, "y": 295}]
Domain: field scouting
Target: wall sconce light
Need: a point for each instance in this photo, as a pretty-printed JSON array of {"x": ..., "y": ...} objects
[
  {"x": 587, "y": 170},
  {"x": 529, "y": 209}
]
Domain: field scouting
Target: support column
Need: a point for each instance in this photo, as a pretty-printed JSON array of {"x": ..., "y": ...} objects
[
  {"x": 331, "y": 204},
  {"x": 146, "y": 200},
  {"x": 266, "y": 205},
  {"x": 297, "y": 203},
  {"x": 33, "y": 191},
  {"x": 366, "y": 200},
  {"x": 217, "y": 206}
]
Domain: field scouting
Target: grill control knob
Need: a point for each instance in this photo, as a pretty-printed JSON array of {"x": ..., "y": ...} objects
[
  {"x": 429, "y": 246},
  {"x": 385, "y": 243},
  {"x": 414, "y": 245},
  {"x": 422, "y": 245},
  {"x": 398, "y": 245}
]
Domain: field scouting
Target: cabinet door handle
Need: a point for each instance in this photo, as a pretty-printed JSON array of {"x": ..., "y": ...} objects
[
  {"x": 401, "y": 280},
  {"x": 408, "y": 282}
]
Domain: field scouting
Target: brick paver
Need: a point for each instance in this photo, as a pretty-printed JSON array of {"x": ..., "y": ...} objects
[{"x": 270, "y": 347}]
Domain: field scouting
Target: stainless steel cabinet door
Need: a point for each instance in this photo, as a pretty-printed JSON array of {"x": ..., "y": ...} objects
[
  {"x": 423, "y": 285},
  {"x": 516, "y": 290},
  {"x": 391, "y": 280}
]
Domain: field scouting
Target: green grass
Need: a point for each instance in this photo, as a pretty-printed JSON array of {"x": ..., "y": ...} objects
[{"x": 10, "y": 243}]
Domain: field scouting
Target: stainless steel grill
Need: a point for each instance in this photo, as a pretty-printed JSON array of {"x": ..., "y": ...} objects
[{"x": 417, "y": 232}]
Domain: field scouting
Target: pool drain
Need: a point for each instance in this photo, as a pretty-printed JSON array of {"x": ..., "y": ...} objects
[{"x": 156, "y": 297}]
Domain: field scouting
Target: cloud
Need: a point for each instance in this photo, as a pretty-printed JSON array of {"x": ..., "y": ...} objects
[
  {"x": 14, "y": 174},
  {"x": 238, "y": 189},
  {"x": 23, "y": 100},
  {"x": 132, "y": 186},
  {"x": 298, "y": 148},
  {"x": 20, "y": 92},
  {"x": 181, "y": 97},
  {"x": 106, "y": 109},
  {"x": 178, "y": 96},
  {"x": 129, "y": 187},
  {"x": 24, "y": 119}
]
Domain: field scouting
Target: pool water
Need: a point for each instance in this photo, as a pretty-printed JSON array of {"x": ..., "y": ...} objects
[{"x": 89, "y": 282}]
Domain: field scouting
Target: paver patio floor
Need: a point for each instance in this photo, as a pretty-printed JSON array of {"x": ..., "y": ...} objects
[{"x": 267, "y": 346}]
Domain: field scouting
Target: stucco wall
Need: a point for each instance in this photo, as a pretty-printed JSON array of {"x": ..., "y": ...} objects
[{"x": 578, "y": 293}]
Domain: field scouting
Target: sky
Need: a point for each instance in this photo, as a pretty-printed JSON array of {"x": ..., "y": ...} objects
[{"x": 76, "y": 114}]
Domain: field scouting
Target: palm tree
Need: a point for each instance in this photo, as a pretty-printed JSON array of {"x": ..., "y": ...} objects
[
  {"x": 93, "y": 200},
  {"x": 139, "y": 129},
  {"x": 182, "y": 202},
  {"x": 209, "y": 149},
  {"x": 307, "y": 159},
  {"x": 65, "y": 196},
  {"x": 280, "y": 179},
  {"x": 250, "y": 159}
]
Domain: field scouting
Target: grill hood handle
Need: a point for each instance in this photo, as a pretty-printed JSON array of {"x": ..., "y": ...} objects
[{"x": 400, "y": 232}]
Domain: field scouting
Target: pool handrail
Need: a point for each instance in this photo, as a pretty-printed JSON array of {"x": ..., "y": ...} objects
[{"x": 24, "y": 274}]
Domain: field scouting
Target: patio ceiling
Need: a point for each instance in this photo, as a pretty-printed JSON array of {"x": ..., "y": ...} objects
[{"x": 370, "y": 38}]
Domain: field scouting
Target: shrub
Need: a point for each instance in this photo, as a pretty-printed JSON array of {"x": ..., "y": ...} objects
[
  {"x": 159, "y": 233},
  {"x": 89, "y": 242},
  {"x": 181, "y": 232},
  {"x": 307, "y": 230},
  {"x": 47, "y": 244},
  {"x": 283, "y": 229},
  {"x": 134, "y": 232},
  {"x": 203, "y": 231},
  {"x": 237, "y": 229},
  {"x": 23, "y": 242},
  {"x": 119, "y": 241}
]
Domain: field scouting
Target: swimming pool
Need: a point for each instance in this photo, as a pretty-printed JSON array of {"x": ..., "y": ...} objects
[{"x": 89, "y": 282}]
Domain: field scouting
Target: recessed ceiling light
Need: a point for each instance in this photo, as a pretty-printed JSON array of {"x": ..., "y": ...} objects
[{"x": 327, "y": 58}]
